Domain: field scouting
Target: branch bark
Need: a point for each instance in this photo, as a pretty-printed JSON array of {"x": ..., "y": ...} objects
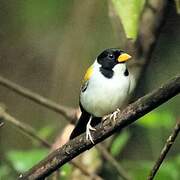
[
  {"x": 129, "y": 115},
  {"x": 170, "y": 141},
  {"x": 29, "y": 131}
]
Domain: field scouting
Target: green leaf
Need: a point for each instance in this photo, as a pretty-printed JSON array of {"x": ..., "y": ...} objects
[
  {"x": 23, "y": 160},
  {"x": 119, "y": 142},
  {"x": 129, "y": 12},
  {"x": 157, "y": 119}
]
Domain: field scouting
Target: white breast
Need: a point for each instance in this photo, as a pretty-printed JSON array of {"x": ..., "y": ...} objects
[{"x": 104, "y": 95}]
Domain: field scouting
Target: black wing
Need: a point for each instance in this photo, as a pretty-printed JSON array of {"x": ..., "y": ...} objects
[{"x": 82, "y": 122}]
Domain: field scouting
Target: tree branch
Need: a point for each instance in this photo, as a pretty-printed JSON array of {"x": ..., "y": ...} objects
[
  {"x": 69, "y": 113},
  {"x": 153, "y": 13},
  {"x": 170, "y": 141},
  {"x": 129, "y": 115},
  {"x": 29, "y": 131}
]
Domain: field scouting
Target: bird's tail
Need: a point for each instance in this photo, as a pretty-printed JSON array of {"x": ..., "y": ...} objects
[{"x": 81, "y": 125}]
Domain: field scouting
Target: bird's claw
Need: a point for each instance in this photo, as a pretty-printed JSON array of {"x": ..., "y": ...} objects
[
  {"x": 114, "y": 115},
  {"x": 89, "y": 128}
]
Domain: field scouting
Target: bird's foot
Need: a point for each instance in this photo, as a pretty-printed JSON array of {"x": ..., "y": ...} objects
[
  {"x": 89, "y": 128},
  {"x": 114, "y": 116},
  {"x": 105, "y": 117}
]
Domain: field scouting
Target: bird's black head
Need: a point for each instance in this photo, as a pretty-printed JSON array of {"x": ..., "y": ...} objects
[{"x": 110, "y": 57}]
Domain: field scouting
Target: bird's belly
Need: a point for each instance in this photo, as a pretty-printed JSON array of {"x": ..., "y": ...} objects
[{"x": 102, "y": 99}]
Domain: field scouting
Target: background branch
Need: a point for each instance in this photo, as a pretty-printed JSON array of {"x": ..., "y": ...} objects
[
  {"x": 30, "y": 132},
  {"x": 170, "y": 141},
  {"x": 26, "y": 129},
  {"x": 78, "y": 145},
  {"x": 67, "y": 112},
  {"x": 153, "y": 13},
  {"x": 109, "y": 158}
]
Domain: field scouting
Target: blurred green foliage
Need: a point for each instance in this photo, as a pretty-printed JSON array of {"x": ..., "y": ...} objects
[
  {"x": 157, "y": 119},
  {"x": 5, "y": 172},
  {"x": 20, "y": 161},
  {"x": 43, "y": 13},
  {"x": 169, "y": 170},
  {"x": 46, "y": 131},
  {"x": 119, "y": 143},
  {"x": 129, "y": 12},
  {"x": 23, "y": 160},
  {"x": 66, "y": 171}
]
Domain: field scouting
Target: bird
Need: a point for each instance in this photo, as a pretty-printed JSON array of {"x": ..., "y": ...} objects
[{"x": 105, "y": 87}]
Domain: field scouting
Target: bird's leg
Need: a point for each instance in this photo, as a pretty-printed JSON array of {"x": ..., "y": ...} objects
[{"x": 88, "y": 132}]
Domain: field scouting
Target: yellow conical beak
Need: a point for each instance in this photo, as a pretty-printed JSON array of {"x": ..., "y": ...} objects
[{"x": 124, "y": 57}]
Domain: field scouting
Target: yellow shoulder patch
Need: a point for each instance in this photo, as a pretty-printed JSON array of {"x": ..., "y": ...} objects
[{"x": 88, "y": 74}]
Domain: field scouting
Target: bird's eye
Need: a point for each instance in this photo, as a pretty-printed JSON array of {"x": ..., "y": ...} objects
[{"x": 111, "y": 56}]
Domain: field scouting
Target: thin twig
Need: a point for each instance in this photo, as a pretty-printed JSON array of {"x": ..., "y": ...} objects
[
  {"x": 85, "y": 172},
  {"x": 109, "y": 158},
  {"x": 69, "y": 113},
  {"x": 26, "y": 129},
  {"x": 78, "y": 145},
  {"x": 170, "y": 141},
  {"x": 29, "y": 131}
]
